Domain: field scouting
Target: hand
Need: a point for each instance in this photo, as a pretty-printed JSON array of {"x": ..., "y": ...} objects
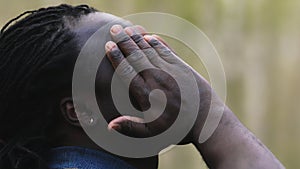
[
  {"x": 232, "y": 145},
  {"x": 135, "y": 52}
]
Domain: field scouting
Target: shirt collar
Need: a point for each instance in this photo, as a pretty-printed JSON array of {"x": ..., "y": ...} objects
[{"x": 83, "y": 158}]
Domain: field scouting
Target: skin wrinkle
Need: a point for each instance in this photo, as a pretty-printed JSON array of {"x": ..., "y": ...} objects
[
  {"x": 116, "y": 54},
  {"x": 137, "y": 38}
]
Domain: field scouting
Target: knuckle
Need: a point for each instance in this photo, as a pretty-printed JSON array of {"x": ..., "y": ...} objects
[
  {"x": 164, "y": 51},
  {"x": 116, "y": 55},
  {"x": 137, "y": 38},
  {"x": 136, "y": 56},
  {"x": 154, "y": 42},
  {"x": 153, "y": 57},
  {"x": 128, "y": 46},
  {"x": 150, "y": 53},
  {"x": 123, "y": 39},
  {"x": 127, "y": 70},
  {"x": 126, "y": 126}
]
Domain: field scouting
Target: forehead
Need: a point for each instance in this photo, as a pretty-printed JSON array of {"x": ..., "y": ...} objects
[
  {"x": 86, "y": 25},
  {"x": 94, "y": 21},
  {"x": 97, "y": 20}
]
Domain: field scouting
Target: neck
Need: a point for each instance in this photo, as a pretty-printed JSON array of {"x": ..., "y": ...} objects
[
  {"x": 78, "y": 138},
  {"x": 81, "y": 140}
]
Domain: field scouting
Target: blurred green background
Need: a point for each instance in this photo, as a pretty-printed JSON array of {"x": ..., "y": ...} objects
[{"x": 259, "y": 44}]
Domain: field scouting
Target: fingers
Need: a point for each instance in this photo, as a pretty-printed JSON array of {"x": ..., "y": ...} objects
[
  {"x": 164, "y": 42},
  {"x": 113, "y": 53},
  {"x": 128, "y": 74},
  {"x": 124, "y": 70},
  {"x": 132, "y": 52},
  {"x": 163, "y": 51},
  {"x": 130, "y": 126},
  {"x": 124, "y": 42},
  {"x": 141, "y": 30},
  {"x": 143, "y": 51},
  {"x": 136, "y": 34}
]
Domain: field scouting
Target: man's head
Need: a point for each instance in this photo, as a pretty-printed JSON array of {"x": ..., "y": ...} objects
[{"x": 37, "y": 57}]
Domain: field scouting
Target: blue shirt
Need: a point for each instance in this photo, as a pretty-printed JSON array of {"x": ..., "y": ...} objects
[{"x": 71, "y": 157}]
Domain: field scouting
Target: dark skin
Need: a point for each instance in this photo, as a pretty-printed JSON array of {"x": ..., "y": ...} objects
[
  {"x": 232, "y": 145},
  {"x": 69, "y": 132}
]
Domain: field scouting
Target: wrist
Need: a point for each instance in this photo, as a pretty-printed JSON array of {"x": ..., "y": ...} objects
[{"x": 211, "y": 109}]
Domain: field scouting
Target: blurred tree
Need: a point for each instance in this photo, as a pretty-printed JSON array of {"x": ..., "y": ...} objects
[{"x": 258, "y": 42}]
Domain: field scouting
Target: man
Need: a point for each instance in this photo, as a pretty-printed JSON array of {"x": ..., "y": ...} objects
[{"x": 40, "y": 126}]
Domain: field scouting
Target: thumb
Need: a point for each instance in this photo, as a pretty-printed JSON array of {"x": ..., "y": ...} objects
[{"x": 130, "y": 126}]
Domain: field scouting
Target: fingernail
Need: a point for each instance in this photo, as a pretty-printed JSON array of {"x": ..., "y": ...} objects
[
  {"x": 116, "y": 29},
  {"x": 140, "y": 29},
  {"x": 109, "y": 45},
  {"x": 148, "y": 37},
  {"x": 151, "y": 40},
  {"x": 129, "y": 31},
  {"x": 115, "y": 127}
]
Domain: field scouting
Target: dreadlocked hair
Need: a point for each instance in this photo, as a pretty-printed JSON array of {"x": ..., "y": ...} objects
[{"x": 34, "y": 66}]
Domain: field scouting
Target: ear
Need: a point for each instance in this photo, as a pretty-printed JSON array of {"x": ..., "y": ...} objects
[{"x": 68, "y": 111}]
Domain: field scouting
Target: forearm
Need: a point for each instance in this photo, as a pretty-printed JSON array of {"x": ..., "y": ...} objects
[{"x": 233, "y": 146}]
